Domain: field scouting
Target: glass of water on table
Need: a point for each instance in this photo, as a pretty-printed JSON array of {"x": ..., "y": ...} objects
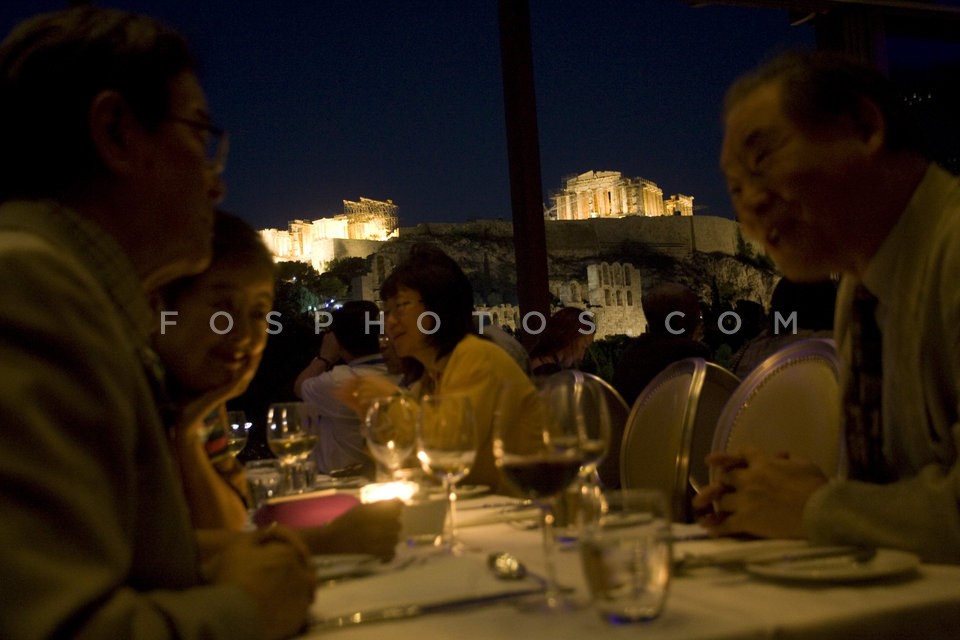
[
  {"x": 292, "y": 436},
  {"x": 626, "y": 555}
]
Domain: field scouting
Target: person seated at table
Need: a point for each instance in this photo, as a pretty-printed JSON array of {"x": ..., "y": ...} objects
[
  {"x": 350, "y": 348},
  {"x": 563, "y": 342},
  {"x": 823, "y": 169},
  {"x": 111, "y": 173},
  {"x": 429, "y": 304},
  {"x": 207, "y": 365},
  {"x": 674, "y": 331},
  {"x": 798, "y": 310}
]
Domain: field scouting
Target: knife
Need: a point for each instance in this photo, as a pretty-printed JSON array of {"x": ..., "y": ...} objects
[
  {"x": 728, "y": 560},
  {"x": 399, "y": 612}
]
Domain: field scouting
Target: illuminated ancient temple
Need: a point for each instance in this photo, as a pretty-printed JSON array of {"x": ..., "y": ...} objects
[
  {"x": 356, "y": 232},
  {"x": 608, "y": 194}
]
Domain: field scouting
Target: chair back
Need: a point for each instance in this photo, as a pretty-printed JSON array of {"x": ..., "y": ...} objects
[
  {"x": 609, "y": 467},
  {"x": 670, "y": 429},
  {"x": 790, "y": 404}
]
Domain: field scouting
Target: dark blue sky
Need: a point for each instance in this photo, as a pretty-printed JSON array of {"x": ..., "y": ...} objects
[{"x": 327, "y": 100}]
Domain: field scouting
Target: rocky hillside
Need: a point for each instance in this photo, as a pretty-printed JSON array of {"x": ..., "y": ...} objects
[{"x": 485, "y": 251}]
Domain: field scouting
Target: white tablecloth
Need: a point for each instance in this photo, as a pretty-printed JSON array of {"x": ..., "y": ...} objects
[{"x": 709, "y": 603}]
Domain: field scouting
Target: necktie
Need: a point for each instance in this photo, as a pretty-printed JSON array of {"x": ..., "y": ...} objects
[{"x": 862, "y": 398}]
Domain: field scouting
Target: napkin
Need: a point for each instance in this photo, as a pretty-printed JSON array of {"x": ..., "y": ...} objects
[
  {"x": 309, "y": 510},
  {"x": 433, "y": 579}
]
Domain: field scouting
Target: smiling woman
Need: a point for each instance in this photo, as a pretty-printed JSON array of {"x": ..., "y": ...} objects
[
  {"x": 212, "y": 335},
  {"x": 429, "y": 320}
]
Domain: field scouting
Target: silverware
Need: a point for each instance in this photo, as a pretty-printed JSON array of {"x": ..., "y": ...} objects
[
  {"x": 400, "y": 612},
  {"x": 735, "y": 560},
  {"x": 511, "y": 505}
]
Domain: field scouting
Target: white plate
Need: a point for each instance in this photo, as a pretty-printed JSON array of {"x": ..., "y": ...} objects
[
  {"x": 887, "y": 563},
  {"x": 342, "y": 565}
]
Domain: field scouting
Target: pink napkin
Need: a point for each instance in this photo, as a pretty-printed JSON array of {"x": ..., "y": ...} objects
[{"x": 309, "y": 511}]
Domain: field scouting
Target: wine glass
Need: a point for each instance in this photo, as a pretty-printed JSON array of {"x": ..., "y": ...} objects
[
  {"x": 540, "y": 442},
  {"x": 238, "y": 428},
  {"x": 390, "y": 431},
  {"x": 446, "y": 447},
  {"x": 586, "y": 492},
  {"x": 291, "y": 437}
]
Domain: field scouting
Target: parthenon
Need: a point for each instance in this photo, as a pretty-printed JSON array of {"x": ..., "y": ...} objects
[{"x": 608, "y": 194}]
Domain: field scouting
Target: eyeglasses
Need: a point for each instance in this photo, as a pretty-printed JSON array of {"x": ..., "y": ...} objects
[
  {"x": 215, "y": 140},
  {"x": 400, "y": 309}
]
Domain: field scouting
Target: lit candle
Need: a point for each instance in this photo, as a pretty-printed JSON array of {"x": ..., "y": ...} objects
[{"x": 404, "y": 490}]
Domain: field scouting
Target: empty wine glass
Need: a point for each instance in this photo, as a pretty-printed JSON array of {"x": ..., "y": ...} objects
[
  {"x": 446, "y": 447},
  {"x": 291, "y": 437},
  {"x": 238, "y": 428},
  {"x": 585, "y": 493},
  {"x": 390, "y": 431},
  {"x": 541, "y": 440}
]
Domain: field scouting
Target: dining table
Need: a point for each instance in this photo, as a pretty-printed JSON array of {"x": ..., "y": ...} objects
[{"x": 704, "y": 602}]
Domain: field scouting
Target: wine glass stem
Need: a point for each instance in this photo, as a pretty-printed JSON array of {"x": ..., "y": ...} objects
[
  {"x": 450, "y": 525},
  {"x": 551, "y": 591},
  {"x": 287, "y": 484}
]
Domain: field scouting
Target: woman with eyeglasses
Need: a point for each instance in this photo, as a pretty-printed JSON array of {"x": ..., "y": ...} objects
[{"x": 428, "y": 304}]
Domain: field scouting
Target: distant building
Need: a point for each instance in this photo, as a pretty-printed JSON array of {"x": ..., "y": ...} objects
[
  {"x": 610, "y": 291},
  {"x": 366, "y": 223},
  {"x": 608, "y": 194}
]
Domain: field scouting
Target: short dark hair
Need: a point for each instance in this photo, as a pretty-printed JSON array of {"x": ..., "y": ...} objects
[
  {"x": 562, "y": 329},
  {"x": 664, "y": 299},
  {"x": 235, "y": 241},
  {"x": 821, "y": 88},
  {"x": 52, "y": 66},
  {"x": 813, "y": 302},
  {"x": 444, "y": 288},
  {"x": 349, "y": 325}
]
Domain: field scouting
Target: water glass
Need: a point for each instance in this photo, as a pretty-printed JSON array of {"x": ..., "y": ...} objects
[
  {"x": 292, "y": 433},
  {"x": 264, "y": 480},
  {"x": 626, "y": 555}
]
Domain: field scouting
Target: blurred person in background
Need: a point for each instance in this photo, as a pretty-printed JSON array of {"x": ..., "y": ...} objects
[
  {"x": 349, "y": 349},
  {"x": 798, "y": 310},
  {"x": 674, "y": 331},
  {"x": 563, "y": 342}
]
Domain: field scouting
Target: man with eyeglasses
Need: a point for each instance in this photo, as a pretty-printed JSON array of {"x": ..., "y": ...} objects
[
  {"x": 109, "y": 173},
  {"x": 825, "y": 168}
]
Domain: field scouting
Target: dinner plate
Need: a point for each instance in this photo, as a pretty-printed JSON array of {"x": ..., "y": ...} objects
[
  {"x": 342, "y": 565},
  {"x": 886, "y": 563}
]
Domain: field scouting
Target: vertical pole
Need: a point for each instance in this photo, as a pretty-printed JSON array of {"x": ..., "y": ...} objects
[
  {"x": 523, "y": 155},
  {"x": 857, "y": 32}
]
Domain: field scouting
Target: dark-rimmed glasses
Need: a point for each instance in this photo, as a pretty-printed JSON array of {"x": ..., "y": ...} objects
[{"x": 215, "y": 141}]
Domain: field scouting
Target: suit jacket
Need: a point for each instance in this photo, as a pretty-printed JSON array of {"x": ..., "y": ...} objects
[{"x": 95, "y": 537}]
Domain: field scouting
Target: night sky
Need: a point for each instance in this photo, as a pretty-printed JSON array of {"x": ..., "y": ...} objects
[{"x": 328, "y": 100}]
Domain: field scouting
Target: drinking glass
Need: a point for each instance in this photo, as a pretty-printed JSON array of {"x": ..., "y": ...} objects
[
  {"x": 291, "y": 436},
  {"x": 446, "y": 447},
  {"x": 540, "y": 443},
  {"x": 238, "y": 428},
  {"x": 582, "y": 498},
  {"x": 626, "y": 555},
  {"x": 390, "y": 431}
]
